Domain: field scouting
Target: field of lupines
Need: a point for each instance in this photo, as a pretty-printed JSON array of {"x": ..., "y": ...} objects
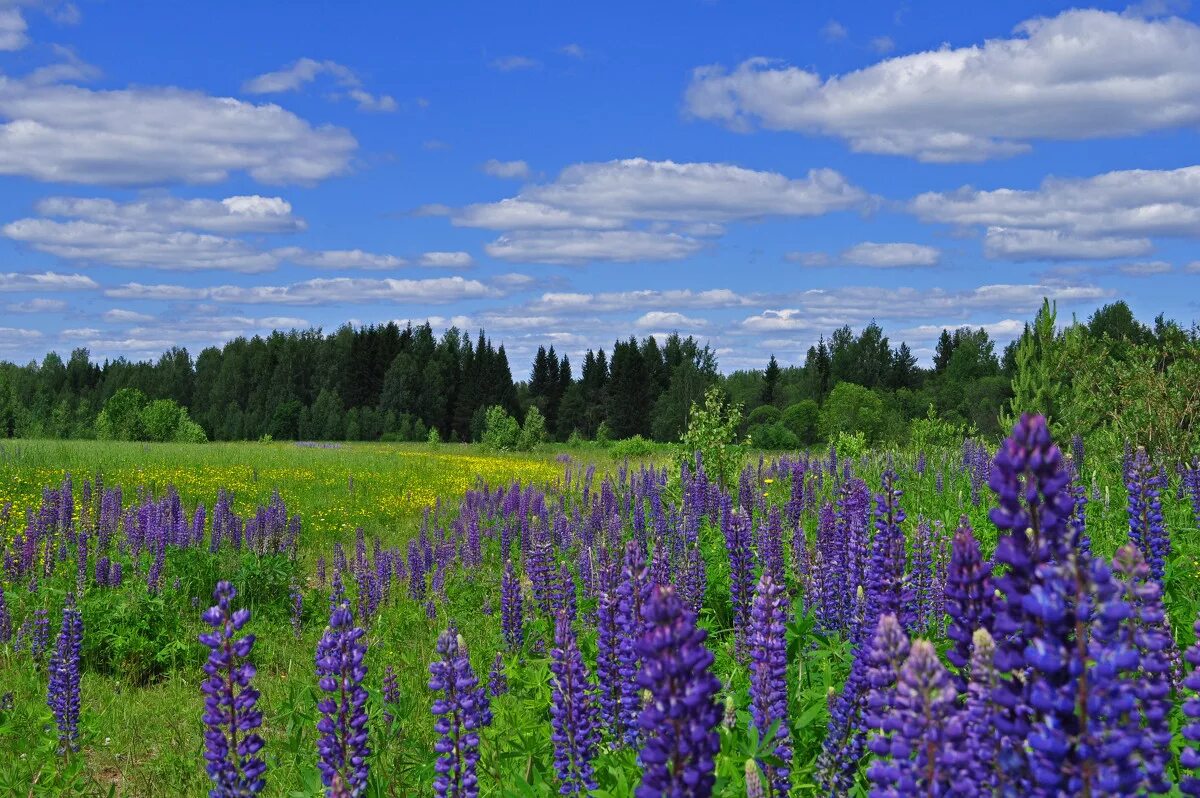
[{"x": 975, "y": 622}]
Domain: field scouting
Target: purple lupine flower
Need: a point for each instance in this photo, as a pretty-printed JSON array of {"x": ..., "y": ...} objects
[
  {"x": 416, "y": 572},
  {"x": 885, "y": 575},
  {"x": 572, "y": 713},
  {"x": 1146, "y": 530},
  {"x": 566, "y": 596},
  {"x": 679, "y": 722},
  {"x": 917, "y": 592},
  {"x": 632, "y": 593},
  {"x": 461, "y": 711},
  {"x": 976, "y": 754},
  {"x": 391, "y": 694},
  {"x": 1035, "y": 503},
  {"x": 1189, "y": 758},
  {"x": 939, "y": 482},
  {"x": 511, "y": 619},
  {"x": 63, "y": 693},
  {"x": 924, "y": 733},
  {"x": 497, "y": 678},
  {"x": 969, "y": 595},
  {"x": 888, "y": 649},
  {"x": 768, "y": 680},
  {"x": 321, "y": 571},
  {"x": 1077, "y": 452},
  {"x": 741, "y": 570},
  {"x": 539, "y": 567},
  {"x": 612, "y": 682},
  {"x": 230, "y": 719},
  {"x": 81, "y": 560},
  {"x": 297, "y": 611},
  {"x": 1154, "y": 648},
  {"x": 6, "y": 629},
  {"x": 754, "y": 785},
  {"x": 771, "y": 545},
  {"x": 692, "y": 579},
  {"x": 342, "y": 743},
  {"x": 1191, "y": 482},
  {"x": 39, "y": 637}
]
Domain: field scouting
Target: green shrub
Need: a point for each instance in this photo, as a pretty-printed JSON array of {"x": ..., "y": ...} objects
[
  {"x": 763, "y": 415},
  {"x": 852, "y": 408},
  {"x": 712, "y": 431},
  {"x": 604, "y": 434},
  {"x": 500, "y": 430},
  {"x": 634, "y": 448},
  {"x": 533, "y": 433},
  {"x": 774, "y": 437},
  {"x": 804, "y": 420},
  {"x": 850, "y": 445}
]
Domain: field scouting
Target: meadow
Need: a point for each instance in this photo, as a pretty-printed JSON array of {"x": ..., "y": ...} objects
[{"x": 791, "y": 601}]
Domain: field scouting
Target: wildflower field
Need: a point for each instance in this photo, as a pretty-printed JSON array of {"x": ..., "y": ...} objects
[{"x": 279, "y": 619}]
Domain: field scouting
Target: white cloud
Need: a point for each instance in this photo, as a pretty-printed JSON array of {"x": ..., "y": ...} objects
[
  {"x": 1020, "y": 245},
  {"x": 145, "y": 136},
  {"x": 306, "y": 70},
  {"x": 554, "y": 302},
  {"x": 37, "y": 306},
  {"x": 339, "y": 258},
  {"x": 834, "y": 31},
  {"x": 1082, "y": 74},
  {"x": 513, "y": 63},
  {"x": 1193, "y": 267},
  {"x": 12, "y": 29},
  {"x": 667, "y": 320},
  {"x": 239, "y": 214},
  {"x": 581, "y": 246},
  {"x": 441, "y": 260},
  {"x": 573, "y": 50},
  {"x": 45, "y": 281},
  {"x": 809, "y": 258},
  {"x": 883, "y": 44},
  {"x": 638, "y": 209},
  {"x": 1145, "y": 268},
  {"x": 132, "y": 248},
  {"x": 1003, "y": 330},
  {"x": 518, "y": 170},
  {"x": 117, "y": 315},
  {"x": 891, "y": 256},
  {"x": 12, "y": 338},
  {"x": 320, "y": 291}
]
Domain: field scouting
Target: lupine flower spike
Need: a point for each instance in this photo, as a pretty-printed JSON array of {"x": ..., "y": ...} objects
[{"x": 342, "y": 742}]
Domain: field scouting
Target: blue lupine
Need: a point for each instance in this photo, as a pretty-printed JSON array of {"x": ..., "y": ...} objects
[
  {"x": 741, "y": 569},
  {"x": 609, "y": 675},
  {"x": 632, "y": 593},
  {"x": 969, "y": 595},
  {"x": 461, "y": 709},
  {"x": 885, "y": 574},
  {"x": 342, "y": 742},
  {"x": 497, "y": 678},
  {"x": 391, "y": 694},
  {"x": 512, "y": 621},
  {"x": 679, "y": 722},
  {"x": 6, "y": 629},
  {"x": 768, "y": 679},
  {"x": 63, "y": 693},
  {"x": 1145, "y": 485},
  {"x": 231, "y": 743},
  {"x": 572, "y": 712}
]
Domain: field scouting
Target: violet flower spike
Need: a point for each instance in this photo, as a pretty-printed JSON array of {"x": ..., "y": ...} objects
[{"x": 342, "y": 742}]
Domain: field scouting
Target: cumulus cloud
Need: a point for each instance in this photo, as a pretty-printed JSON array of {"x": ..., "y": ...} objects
[
  {"x": 582, "y": 246},
  {"x": 306, "y": 70},
  {"x": 834, "y": 31},
  {"x": 145, "y": 136},
  {"x": 13, "y": 282},
  {"x": 338, "y": 258},
  {"x": 604, "y": 301},
  {"x": 117, "y": 315},
  {"x": 1082, "y": 74},
  {"x": 891, "y": 256},
  {"x": 12, "y": 29},
  {"x": 238, "y": 214},
  {"x": 37, "y": 306},
  {"x": 667, "y": 320},
  {"x": 443, "y": 260},
  {"x": 1021, "y": 245},
  {"x": 1145, "y": 268},
  {"x": 320, "y": 291},
  {"x": 508, "y": 170},
  {"x": 514, "y": 63},
  {"x": 637, "y": 209}
]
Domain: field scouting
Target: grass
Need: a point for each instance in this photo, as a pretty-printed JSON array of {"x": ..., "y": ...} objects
[{"x": 142, "y": 720}]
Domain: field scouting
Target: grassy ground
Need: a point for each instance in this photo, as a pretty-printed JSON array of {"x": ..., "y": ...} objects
[{"x": 141, "y": 721}]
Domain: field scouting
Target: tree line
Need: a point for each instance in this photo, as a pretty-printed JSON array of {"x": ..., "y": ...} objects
[{"x": 384, "y": 382}]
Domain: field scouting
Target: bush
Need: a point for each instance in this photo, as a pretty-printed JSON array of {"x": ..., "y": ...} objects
[
  {"x": 850, "y": 445},
  {"x": 763, "y": 415},
  {"x": 433, "y": 438},
  {"x": 500, "y": 430},
  {"x": 932, "y": 432},
  {"x": 604, "y": 434},
  {"x": 852, "y": 408},
  {"x": 533, "y": 433},
  {"x": 129, "y": 416},
  {"x": 804, "y": 420},
  {"x": 712, "y": 431},
  {"x": 774, "y": 437},
  {"x": 634, "y": 448}
]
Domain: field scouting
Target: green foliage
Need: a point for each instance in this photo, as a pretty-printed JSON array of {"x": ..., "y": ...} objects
[
  {"x": 850, "y": 444},
  {"x": 433, "y": 438},
  {"x": 774, "y": 437},
  {"x": 533, "y": 431},
  {"x": 852, "y": 408},
  {"x": 933, "y": 432},
  {"x": 129, "y": 416},
  {"x": 712, "y": 431},
  {"x": 1035, "y": 380},
  {"x": 804, "y": 419},
  {"x": 604, "y": 434},
  {"x": 500, "y": 430},
  {"x": 763, "y": 414},
  {"x": 634, "y": 448}
]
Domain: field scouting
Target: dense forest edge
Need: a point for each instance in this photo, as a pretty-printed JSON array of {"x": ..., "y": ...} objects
[{"x": 384, "y": 382}]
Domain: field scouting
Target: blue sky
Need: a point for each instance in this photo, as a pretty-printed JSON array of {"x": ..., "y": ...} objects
[{"x": 755, "y": 174}]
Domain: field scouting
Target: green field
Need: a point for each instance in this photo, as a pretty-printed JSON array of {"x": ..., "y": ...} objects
[{"x": 141, "y": 707}]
